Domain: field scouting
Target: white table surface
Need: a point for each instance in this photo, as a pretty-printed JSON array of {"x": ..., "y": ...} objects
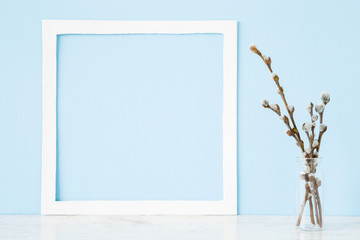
[{"x": 29, "y": 227}]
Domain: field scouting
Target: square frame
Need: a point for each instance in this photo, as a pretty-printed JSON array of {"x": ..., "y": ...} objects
[{"x": 49, "y": 205}]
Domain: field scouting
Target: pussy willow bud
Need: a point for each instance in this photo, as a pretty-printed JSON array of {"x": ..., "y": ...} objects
[
  {"x": 302, "y": 175},
  {"x": 315, "y": 143},
  {"x": 291, "y": 108},
  {"x": 265, "y": 103},
  {"x": 285, "y": 119},
  {"x": 288, "y": 132},
  {"x": 274, "y": 76},
  {"x": 267, "y": 59},
  {"x": 314, "y": 118},
  {"x": 275, "y": 107},
  {"x": 318, "y": 182},
  {"x": 309, "y": 108},
  {"x": 325, "y": 97},
  {"x": 319, "y": 107},
  {"x": 254, "y": 49},
  {"x": 307, "y": 127},
  {"x": 322, "y": 127}
]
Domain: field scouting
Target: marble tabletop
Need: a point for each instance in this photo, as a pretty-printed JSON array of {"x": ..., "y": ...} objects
[{"x": 27, "y": 227}]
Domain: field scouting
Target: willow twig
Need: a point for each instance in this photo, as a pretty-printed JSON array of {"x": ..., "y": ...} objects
[
  {"x": 318, "y": 202},
  {"x": 294, "y": 130},
  {"x": 303, "y": 205},
  {"x": 311, "y": 211}
]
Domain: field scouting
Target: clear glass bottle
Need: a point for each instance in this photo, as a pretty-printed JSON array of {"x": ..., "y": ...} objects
[{"x": 309, "y": 194}]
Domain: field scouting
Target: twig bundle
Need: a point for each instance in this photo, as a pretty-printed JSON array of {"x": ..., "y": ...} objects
[{"x": 310, "y": 153}]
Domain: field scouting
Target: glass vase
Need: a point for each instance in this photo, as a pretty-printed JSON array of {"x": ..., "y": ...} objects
[{"x": 309, "y": 194}]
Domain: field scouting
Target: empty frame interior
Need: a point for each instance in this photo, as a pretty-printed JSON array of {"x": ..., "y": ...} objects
[{"x": 139, "y": 117}]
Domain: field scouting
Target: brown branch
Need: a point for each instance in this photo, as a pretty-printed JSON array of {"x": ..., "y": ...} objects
[
  {"x": 316, "y": 207},
  {"x": 315, "y": 193},
  {"x": 303, "y": 204},
  {"x": 320, "y": 136},
  {"x": 277, "y": 112},
  {"x": 292, "y": 133},
  {"x": 321, "y": 116},
  {"x": 286, "y": 123},
  {"x": 312, "y": 140},
  {"x": 321, "y": 132},
  {"x": 317, "y": 196},
  {"x": 281, "y": 92},
  {"x": 320, "y": 209},
  {"x": 311, "y": 211},
  {"x": 307, "y": 134}
]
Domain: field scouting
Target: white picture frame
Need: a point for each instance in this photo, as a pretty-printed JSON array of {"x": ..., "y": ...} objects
[{"x": 49, "y": 206}]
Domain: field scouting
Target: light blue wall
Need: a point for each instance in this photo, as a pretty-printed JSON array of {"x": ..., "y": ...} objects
[{"x": 314, "y": 46}]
